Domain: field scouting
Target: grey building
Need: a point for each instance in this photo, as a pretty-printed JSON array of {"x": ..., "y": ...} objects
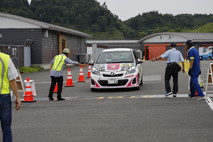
[{"x": 44, "y": 40}]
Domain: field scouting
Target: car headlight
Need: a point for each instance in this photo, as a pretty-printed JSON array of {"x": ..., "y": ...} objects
[
  {"x": 95, "y": 71},
  {"x": 131, "y": 70}
]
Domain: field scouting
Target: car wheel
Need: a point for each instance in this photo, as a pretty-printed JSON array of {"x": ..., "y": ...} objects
[
  {"x": 141, "y": 83},
  {"x": 210, "y": 58},
  {"x": 201, "y": 58},
  {"x": 137, "y": 88},
  {"x": 93, "y": 90}
]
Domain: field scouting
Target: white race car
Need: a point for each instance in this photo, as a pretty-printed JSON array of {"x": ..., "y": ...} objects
[{"x": 117, "y": 68}]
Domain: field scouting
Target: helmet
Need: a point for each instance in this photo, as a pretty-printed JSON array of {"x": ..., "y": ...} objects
[
  {"x": 189, "y": 42},
  {"x": 173, "y": 45},
  {"x": 66, "y": 50}
]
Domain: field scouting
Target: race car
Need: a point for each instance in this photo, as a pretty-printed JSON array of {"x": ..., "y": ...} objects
[{"x": 117, "y": 68}]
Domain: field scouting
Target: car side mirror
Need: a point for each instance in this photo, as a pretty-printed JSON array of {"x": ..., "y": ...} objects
[
  {"x": 91, "y": 62},
  {"x": 140, "y": 61}
]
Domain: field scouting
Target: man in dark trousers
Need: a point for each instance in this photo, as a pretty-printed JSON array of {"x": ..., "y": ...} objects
[
  {"x": 173, "y": 58},
  {"x": 8, "y": 75},
  {"x": 194, "y": 70},
  {"x": 56, "y": 73}
]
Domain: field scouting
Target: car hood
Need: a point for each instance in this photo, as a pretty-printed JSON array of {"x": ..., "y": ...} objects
[{"x": 113, "y": 66}]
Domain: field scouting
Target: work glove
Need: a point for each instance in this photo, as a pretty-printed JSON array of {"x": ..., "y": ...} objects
[{"x": 189, "y": 72}]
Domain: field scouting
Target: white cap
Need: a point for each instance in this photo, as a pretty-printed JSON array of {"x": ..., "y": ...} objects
[{"x": 66, "y": 50}]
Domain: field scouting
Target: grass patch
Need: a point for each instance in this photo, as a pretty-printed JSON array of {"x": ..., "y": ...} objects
[{"x": 30, "y": 69}]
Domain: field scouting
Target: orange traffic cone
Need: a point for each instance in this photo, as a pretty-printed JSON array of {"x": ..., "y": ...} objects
[
  {"x": 81, "y": 75},
  {"x": 56, "y": 88},
  {"x": 28, "y": 95},
  {"x": 89, "y": 72},
  {"x": 69, "y": 82}
]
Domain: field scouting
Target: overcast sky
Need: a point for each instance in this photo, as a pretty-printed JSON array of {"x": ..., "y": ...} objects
[{"x": 126, "y": 9}]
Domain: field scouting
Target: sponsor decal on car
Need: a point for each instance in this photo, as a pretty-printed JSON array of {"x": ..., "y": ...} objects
[{"x": 113, "y": 66}]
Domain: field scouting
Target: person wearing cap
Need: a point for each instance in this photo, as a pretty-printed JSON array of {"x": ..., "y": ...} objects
[
  {"x": 56, "y": 73},
  {"x": 8, "y": 74},
  {"x": 173, "y": 57},
  {"x": 194, "y": 70}
]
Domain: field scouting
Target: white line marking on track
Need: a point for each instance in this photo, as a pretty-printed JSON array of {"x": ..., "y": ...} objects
[
  {"x": 50, "y": 82},
  {"x": 158, "y": 96},
  {"x": 209, "y": 102},
  {"x": 146, "y": 78}
]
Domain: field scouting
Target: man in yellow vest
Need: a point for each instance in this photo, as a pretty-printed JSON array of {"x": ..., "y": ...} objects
[
  {"x": 56, "y": 73},
  {"x": 8, "y": 74}
]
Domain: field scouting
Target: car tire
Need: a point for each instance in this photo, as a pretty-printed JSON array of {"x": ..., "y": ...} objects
[
  {"x": 201, "y": 58},
  {"x": 93, "y": 90},
  {"x": 141, "y": 83},
  {"x": 137, "y": 88},
  {"x": 210, "y": 58}
]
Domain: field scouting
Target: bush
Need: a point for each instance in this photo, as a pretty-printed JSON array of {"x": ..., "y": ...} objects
[{"x": 30, "y": 69}]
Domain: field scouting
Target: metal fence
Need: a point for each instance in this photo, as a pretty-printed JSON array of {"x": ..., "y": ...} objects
[{"x": 16, "y": 53}]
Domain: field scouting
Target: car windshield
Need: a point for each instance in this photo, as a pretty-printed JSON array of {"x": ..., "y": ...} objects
[{"x": 115, "y": 57}]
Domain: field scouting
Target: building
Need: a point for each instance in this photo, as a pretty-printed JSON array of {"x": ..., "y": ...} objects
[
  {"x": 156, "y": 44},
  {"x": 44, "y": 40}
]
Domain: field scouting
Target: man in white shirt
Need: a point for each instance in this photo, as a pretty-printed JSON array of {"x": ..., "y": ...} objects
[{"x": 173, "y": 57}]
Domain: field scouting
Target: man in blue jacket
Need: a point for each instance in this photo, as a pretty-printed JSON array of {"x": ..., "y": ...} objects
[{"x": 194, "y": 70}]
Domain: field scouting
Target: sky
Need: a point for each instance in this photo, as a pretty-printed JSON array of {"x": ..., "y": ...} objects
[{"x": 126, "y": 9}]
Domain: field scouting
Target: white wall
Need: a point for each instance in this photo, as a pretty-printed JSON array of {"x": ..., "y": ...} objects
[{"x": 165, "y": 38}]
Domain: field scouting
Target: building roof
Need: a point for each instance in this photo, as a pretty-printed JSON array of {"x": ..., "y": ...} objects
[
  {"x": 114, "y": 43},
  {"x": 117, "y": 49},
  {"x": 195, "y": 37},
  {"x": 44, "y": 25},
  {"x": 111, "y": 41}
]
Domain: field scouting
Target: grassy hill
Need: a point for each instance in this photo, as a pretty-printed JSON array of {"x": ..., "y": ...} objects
[{"x": 208, "y": 28}]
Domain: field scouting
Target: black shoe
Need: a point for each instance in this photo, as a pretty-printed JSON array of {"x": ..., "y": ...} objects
[
  {"x": 168, "y": 94},
  {"x": 60, "y": 99},
  {"x": 51, "y": 99}
]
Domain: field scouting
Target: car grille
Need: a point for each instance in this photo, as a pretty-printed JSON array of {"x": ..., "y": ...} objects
[
  {"x": 115, "y": 75},
  {"x": 120, "y": 83}
]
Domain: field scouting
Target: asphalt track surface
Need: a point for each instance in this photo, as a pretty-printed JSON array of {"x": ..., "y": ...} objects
[{"x": 124, "y": 115}]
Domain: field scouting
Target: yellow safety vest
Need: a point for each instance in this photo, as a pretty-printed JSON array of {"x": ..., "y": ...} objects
[
  {"x": 58, "y": 62},
  {"x": 4, "y": 81}
]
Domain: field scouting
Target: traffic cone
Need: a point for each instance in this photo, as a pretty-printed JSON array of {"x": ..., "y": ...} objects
[
  {"x": 81, "y": 75},
  {"x": 28, "y": 95},
  {"x": 89, "y": 72},
  {"x": 56, "y": 88},
  {"x": 69, "y": 82}
]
